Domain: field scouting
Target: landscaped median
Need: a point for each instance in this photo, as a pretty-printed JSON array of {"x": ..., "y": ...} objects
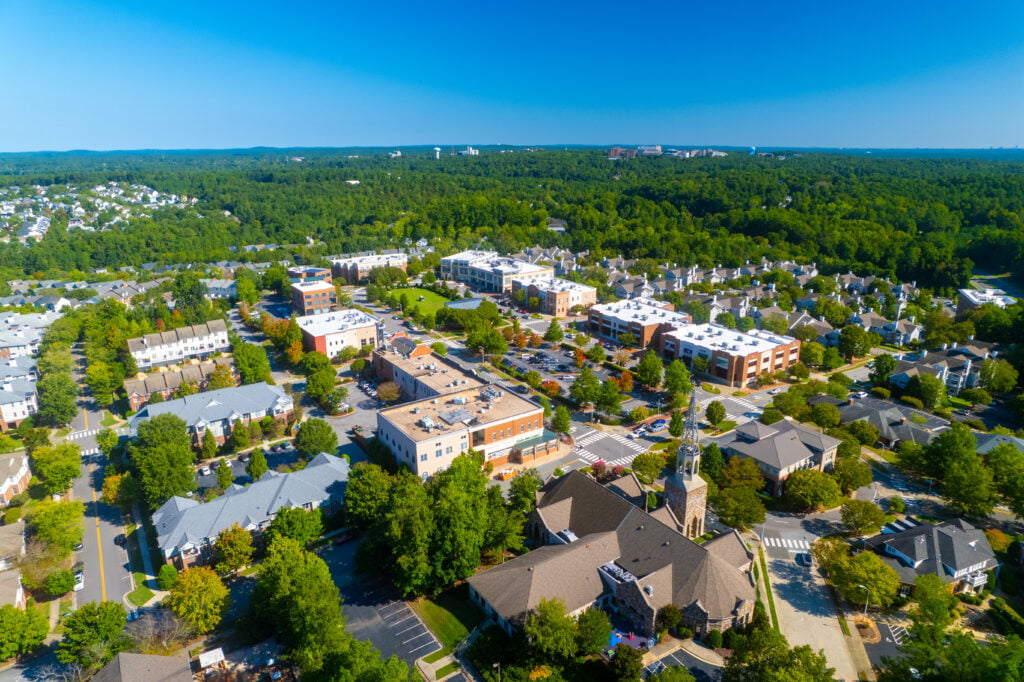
[{"x": 768, "y": 589}]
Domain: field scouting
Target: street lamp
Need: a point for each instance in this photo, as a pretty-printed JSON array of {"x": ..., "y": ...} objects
[
  {"x": 498, "y": 666},
  {"x": 866, "y": 601}
]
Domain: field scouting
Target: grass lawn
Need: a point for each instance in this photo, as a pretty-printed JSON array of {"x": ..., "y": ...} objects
[
  {"x": 768, "y": 590},
  {"x": 888, "y": 455},
  {"x": 450, "y": 615},
  {"x": 141, "y": 594},
  {"x": 431, "y": 302},
  {"x": 447, "y": 670},
  {"x": 108, "y": 419},
  {"x": 437, "y": 655}
]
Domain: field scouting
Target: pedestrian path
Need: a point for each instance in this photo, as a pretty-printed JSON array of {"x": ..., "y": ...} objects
[{"x": 786, "y": 543}]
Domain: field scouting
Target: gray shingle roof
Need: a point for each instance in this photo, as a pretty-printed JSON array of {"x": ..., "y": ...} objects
[
  {"x": 610, "y": 529},
  {"x": 779, "y": 445},
  {"x": 942, "y": 550},
  {"x": 181, "y": 522},
  {"x": 145, "y": 668},
  {"x": 214, "y": 406}
]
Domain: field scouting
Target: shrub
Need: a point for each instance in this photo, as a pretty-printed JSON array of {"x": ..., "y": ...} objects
[
  {"x": 882, "y": 392},
  {"x": 684, "y": 633},
  {"x": 969, "y": 599},
  {"x": 59, "y": 582},
  {"x": 12, "y": 515},
  {"x": 999, "y": 541},
  {"x": 896, "y": 505},
  {"x": 558, "y": 473},
  {"x": 912, "y": 401},
  {"x": 731, "y": 639},
  {"x": 166, "y": 577},
  {"x": 714, "y": 639}
]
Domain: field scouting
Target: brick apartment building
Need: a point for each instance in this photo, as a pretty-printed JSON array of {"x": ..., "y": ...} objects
[
  {"x": 330, "y": 332},
  {"x": 644, "y": 318},
  {"x": 357, "y": 268},
  {"x": 735, "y": 356},
  {"x": 308, "y": 273},
  {"x": 555, "y": 296},
  {"x": 311, "y": 297}
]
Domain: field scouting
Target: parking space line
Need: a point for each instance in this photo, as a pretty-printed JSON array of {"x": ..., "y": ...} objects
[
  {"x": 422, "y": 646},
  {"x": 411, "y": 627},
  {"x": 400, "y": 620},
  {"x": 426, "y": 632}
]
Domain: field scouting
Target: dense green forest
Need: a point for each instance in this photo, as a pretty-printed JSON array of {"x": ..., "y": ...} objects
[{"x": 926, "y": 219}]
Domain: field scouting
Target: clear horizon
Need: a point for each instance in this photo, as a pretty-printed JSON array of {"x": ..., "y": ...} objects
[{"x": 114, "y": 76}]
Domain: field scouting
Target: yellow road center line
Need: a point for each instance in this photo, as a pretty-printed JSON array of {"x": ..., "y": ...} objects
[{"x": 99, "y": 542}]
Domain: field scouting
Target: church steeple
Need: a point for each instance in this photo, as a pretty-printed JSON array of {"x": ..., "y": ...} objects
[{"x": 685, "y": 491}]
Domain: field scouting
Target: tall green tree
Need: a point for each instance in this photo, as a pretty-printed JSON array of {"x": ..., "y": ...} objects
[
  {"x": 199, "y": 598},
  {"x": 57, "y": 395},
  {"x": 677, "y": 378},
  {"x": 315, "y": 436},
  {"x": 554, "y": 333},
  {"x": 460, "y": 517},
  {"x": 810, "y": 489},
  {"x": 593, "y": 630},
  {"x": 562, "y": 421},
  {"x": 648, "y": 370},
  {"x": 550, "y": 631},
  {"x": 862, "y": 517},
  {"x": 303, "y": 526},
  {"x": 162, "y": 456},
  {"x": 367, "y": 494},
  {"x": 233, "y": 549},
  {"x": 59, "y": 466},
  {"x": 58, "y": 524},
  {"x": 93, "y": 634},
  {"x": 998, "y": 375},
  {"x": 885, "y": 365},
  {"x": 21, "y": 631},
  {"x": 407, "y": 529},
  {"x": 714, "y": 413},
  {"x": 257, "y": 464},
  {"x": 522, "y": 491},
  {"x": 225, "y": 476}
]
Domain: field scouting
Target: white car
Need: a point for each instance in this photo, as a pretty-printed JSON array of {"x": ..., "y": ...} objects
[
  {"x": 775, "y": 391},
  {"x": 79, "y": 581},
  {"x": 204, "y": 471}
]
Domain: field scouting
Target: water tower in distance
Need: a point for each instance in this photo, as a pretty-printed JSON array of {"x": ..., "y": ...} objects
[{"x": 437, "y": 152}]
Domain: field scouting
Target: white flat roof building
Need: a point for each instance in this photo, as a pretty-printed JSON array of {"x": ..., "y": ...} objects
[
  {"x": 646, "y": 311},
  {"x": 975, "y": 298},
  {"x": 488, "y": 271},
  {"x": 330, "y": 332}
]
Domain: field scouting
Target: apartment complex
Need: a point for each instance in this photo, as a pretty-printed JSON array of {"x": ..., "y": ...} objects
[
  {"x": 187, "y": 529},
  {"x": 14, "y": 475},
  {"x": 330, "y": 332},
  {"x": 428, "y": 434},
  {"x": 735, "y": 356},
  {"x": 644, "y": 318},
  {"x": 21, "y": 333},
  {"x": 312, "y": 297},
  {"x": 141, "y": 388},
  {"x": 357, "y": 268},
  {"x": 555, "y": 296},
  {"x": 487, "y": 271},
  {"x": 419, "y": 372},
  {"x": 178, "y": 345},
  {"x": 217, "y": 411},
  {"x": 308, "y": 273},
  {"x": 18, "y": 402}
]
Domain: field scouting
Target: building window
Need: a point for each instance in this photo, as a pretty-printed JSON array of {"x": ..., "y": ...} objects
[{"x": 437, "y": 453}]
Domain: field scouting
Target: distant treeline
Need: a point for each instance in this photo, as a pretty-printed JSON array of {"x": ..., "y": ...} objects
[{"x": 927, "y": 220}]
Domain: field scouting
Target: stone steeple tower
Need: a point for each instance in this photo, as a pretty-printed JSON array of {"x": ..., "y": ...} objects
[{"x": 685, "y": 491}]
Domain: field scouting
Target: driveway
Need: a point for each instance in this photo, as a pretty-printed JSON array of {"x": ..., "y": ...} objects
[{"x": 807, "y": 616}]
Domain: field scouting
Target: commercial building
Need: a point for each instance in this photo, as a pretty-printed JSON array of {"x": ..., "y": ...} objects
[
  {"x": 330, "y": 332},
  {"x": 217, "y": 411},
  {"x": 645, "y": 318},
  {"x": 428, "y": 434},
  {"x": 419, "y": 372},
  {"x": 602, "y": 551},
  {"x": 735, "y": 356},
  {"x": 308, "y": 273},
  {"x": 555, "y": 296},
  {"x": 178, "y": 345},
  {"x": 187, "y": 529},
  {"x": 973, "y": 298},
  {"x": 313, "y": 297},
  {"x": 140, "y": 389},
  {"x": 487, "y": 271},
  {"x": 357, "y": 268},
  {"x": 780, "y": 449}
]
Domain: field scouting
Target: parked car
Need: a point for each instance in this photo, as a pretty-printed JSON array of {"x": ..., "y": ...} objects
[
  {"x": 120, "y": 539},
  {"x": 805, "y": 559},
  {"x": 204, "y": 471},
  {"x": 79, "y": 546},
  {"x": 343, "y": 538},
  {"x": 775, "y": 391},
  {"x": 658, "y": 424},
  {"x": 79, "y": 581}
]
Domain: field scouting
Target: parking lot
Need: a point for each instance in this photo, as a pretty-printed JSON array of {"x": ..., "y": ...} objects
[
  {"x": 374, "y": 611},
  {"x": 278, "y": 455},
  {"x": 701, "y": 671}
]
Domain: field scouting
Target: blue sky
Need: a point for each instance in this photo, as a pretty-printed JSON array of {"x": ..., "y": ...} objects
[{"x": 220, "y": 74}]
